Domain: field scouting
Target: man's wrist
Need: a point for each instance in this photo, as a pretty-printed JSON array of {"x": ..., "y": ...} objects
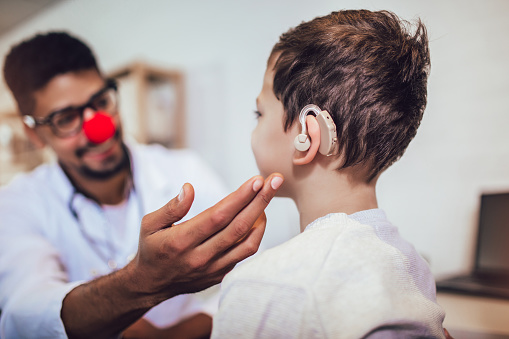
[
  {"x": 107, "y": 305},
  {"x": 138, "y": 286}
]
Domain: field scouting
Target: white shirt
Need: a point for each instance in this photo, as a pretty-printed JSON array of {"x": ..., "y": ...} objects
[
  {"x": 46, "y": 251},
  {"x": 343, "y": 277}
]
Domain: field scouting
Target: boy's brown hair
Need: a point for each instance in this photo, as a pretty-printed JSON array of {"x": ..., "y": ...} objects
[{"x": 368, "y": 70}]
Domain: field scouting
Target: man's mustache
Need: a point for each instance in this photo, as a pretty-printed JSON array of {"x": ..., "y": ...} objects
[{"x": 79, "y": 152}]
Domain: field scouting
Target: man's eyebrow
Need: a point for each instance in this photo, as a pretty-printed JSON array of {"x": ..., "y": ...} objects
[{"x": 92, "y": 97}]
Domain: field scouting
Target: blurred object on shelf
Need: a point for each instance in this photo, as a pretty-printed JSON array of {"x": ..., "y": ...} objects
[
  {"x": 17, "y": 154},
  {"x": 152, "y": 104}
]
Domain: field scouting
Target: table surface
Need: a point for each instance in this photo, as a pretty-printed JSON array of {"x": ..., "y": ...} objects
[{"x": 464, "y": 313}]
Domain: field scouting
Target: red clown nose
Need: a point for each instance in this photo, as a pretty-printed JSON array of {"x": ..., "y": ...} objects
[{"x": 99, "y": 128}]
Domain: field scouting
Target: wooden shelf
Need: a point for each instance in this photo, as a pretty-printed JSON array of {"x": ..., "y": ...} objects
[{"x": 152, "y": 104}]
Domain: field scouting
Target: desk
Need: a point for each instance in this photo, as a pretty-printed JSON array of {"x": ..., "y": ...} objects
[{"x": 464, "y": 313}]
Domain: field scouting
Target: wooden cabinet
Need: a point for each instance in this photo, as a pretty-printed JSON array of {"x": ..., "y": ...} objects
[{"x": 152, "y": 104}]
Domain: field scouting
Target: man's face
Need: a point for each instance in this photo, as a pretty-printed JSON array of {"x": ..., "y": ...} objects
[
  {"x": 76, "y": 153},
  {"x": 272, "y": 146}
]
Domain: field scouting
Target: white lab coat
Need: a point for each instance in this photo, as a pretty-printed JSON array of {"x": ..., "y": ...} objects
[{"x": 44, "y": 253}]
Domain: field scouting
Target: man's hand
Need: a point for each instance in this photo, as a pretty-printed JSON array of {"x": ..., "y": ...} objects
[
  {"x": 181, "y": 258},
  {"x": 172, "y": 259}
]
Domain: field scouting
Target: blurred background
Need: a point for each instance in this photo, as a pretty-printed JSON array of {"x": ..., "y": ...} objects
[{"x": 202, "y": 62}]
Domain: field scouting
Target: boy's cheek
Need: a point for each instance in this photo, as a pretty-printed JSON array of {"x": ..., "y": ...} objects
[
  {"x": 258, "y": 152},
  {"x": 255, "y": 144}
]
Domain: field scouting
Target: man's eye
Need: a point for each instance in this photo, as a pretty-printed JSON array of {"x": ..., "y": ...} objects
[
  {"x": 66, "y": 118},
  {"x": 102, "y": 103}
]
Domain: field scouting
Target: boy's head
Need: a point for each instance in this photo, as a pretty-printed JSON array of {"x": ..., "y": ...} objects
[
  {"x": 31, "y": 64},
  {"x": 368, "y": 70}
]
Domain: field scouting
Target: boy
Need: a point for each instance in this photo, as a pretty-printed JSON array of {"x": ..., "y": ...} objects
[{"x": 348, "y": 274}]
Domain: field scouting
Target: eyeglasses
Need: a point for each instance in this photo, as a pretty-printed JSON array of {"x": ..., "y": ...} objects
[{"x": 68, "y": 122}]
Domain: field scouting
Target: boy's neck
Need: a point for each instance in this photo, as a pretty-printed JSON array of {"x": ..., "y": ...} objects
[{"x": 324, "y": 192}]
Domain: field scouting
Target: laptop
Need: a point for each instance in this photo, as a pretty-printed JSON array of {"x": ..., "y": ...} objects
[{"x": 490, "y": 276}]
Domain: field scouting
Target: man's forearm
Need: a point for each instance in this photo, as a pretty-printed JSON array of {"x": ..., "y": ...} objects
[{"x": 106, "y": 306}]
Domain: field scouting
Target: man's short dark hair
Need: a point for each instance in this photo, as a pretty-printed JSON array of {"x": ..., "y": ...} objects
[
  {"x": 368, "y": 70},
  {"x": 30, "y": 65}
]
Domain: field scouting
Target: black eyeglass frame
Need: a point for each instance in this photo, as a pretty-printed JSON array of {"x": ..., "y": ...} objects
[{"x": 33, "y": 122}]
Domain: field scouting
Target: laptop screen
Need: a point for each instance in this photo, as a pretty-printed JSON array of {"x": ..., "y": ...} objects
[{"x": 493, "y": 241}]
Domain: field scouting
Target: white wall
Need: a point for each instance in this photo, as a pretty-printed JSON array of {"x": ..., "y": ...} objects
[{"x": 431, "y": 194}]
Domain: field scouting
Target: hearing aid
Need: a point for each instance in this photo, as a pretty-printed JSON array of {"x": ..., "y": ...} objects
[
  {"x": 99, "y": 128},
  {"x": 328, "y": 137}
]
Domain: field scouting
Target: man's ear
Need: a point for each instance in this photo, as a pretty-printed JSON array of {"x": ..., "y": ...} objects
[
  {"x": 33, "y": 137},
  {"x": 303, "y": 158}
]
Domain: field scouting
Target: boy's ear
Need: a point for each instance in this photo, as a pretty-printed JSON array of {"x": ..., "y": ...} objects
[
  {"x": 33, "y": 137},
  {"x": 313, "y": 129}
]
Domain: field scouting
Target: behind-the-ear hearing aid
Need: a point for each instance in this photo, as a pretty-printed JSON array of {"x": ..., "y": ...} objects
[{"x": 328, "y": 137}]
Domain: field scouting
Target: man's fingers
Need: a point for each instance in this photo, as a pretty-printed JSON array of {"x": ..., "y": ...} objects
[
  {"x": 193, "y": 232},
  {"x": 243, "y": 223},
  {"x": 243, "y": 249},
  {"x": 170, "y": 213}
]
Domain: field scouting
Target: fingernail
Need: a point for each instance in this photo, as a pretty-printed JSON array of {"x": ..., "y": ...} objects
[
  {"x": 276, "y": 182},
  {"x": 257, "y": 185},
  {"x": 181, "y": 194}
]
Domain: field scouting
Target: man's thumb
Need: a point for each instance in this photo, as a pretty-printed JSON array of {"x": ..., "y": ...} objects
[{"x": 170, "y": 213}]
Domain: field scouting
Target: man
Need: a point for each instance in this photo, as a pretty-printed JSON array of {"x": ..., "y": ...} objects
[{"x": 69, "y": 231}]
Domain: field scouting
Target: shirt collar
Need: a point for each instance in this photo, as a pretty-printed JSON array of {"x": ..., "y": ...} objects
[{"x": 366, "y": 217}]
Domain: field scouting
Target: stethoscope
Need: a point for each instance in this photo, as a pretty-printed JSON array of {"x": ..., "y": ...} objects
[
  {"x": 99, "y": 129},
  {"x": 108, "y": 258}
]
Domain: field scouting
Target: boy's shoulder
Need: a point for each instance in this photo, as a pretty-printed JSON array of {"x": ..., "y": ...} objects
[
  {"x": 334, "y": 240},
  {"x": 335, "y": 248}
]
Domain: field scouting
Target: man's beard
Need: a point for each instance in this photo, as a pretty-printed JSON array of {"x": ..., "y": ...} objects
[
  {"x": 123, "y": 163},
  {"x": 108, "y": 173}
]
